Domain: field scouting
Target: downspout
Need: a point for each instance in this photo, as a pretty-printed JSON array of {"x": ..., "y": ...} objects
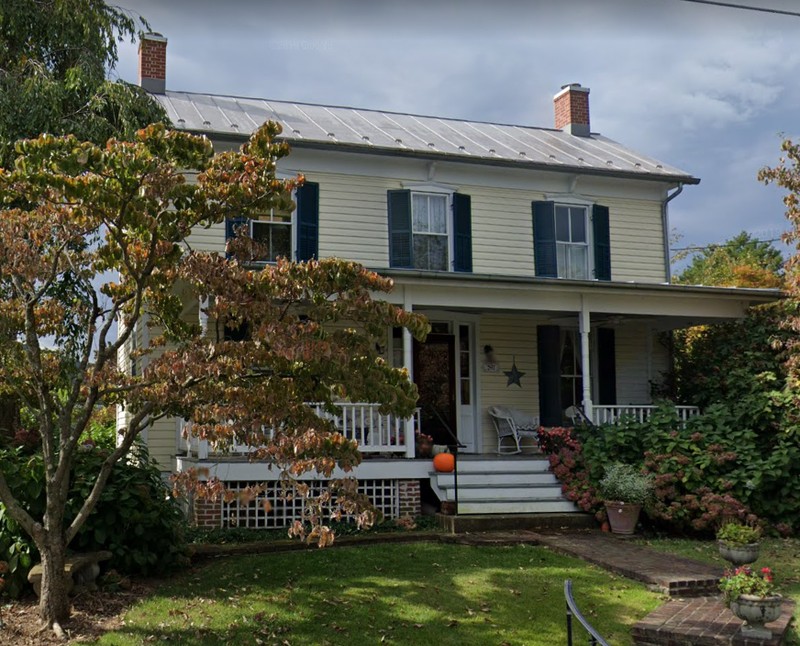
[{"x": 665, "y": 225}]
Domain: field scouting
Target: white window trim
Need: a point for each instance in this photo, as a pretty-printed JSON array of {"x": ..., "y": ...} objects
[
  {"x": 293, "y": 236},
  {"x": 573, "y": 200},
  {"x": 436, "y": 188}
]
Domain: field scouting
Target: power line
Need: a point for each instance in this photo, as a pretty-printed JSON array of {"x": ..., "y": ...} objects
[
  {"x": 718, "y": 245},
  {"x": 731, "y": 5}
]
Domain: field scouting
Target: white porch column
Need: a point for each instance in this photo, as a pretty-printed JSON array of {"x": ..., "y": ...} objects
[
  {"x": 204, "y": 315},
  {"x": 584, "y": 325},
  {"x": 408, "y": 364}
]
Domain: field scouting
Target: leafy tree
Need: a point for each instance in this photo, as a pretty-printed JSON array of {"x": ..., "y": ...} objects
[
  {"x": 740, "y": 262},
  {"x": 54, "y": 59},
  {"x": 91, "y": 235}
]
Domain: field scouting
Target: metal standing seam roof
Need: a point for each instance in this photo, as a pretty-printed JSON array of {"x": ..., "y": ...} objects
[{"x": 393, "y": 132}]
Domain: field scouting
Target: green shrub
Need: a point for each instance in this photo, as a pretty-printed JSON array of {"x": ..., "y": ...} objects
[
  {"x": 625, "y": 483},
  {"x": 136, "y": 518},
  {"x": 739, "y": 534}
]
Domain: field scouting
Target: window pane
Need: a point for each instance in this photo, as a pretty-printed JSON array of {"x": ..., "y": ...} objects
[
  {"x": 578, "y": 264},
  {"x": 419, "y": 211},
  {"x": 438, "y": 252},
  {"x": 421, "y": 251},
  {"x": 561, "y": 260},
  {"x": 437, "y": 205},
  {"x": 465, "y": 394},
  {"x": 562, "y": 223},
  {"x": 578, "y": 221},
  {"x": 463, "y": 338},
  {"x": 281, "y": 241}
]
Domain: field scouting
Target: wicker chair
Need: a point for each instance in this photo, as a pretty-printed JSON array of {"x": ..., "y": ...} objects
[{"x": 513, "y": 424}]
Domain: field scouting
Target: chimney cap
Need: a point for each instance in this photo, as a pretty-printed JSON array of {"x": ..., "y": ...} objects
[
  {"x": 154, "y": 35},
  {"x": 571, "y": 87}
]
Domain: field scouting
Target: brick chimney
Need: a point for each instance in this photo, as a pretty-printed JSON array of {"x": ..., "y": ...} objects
[
  {"x": 153, "y": 63},
  {"x": 572, "y": 109}
]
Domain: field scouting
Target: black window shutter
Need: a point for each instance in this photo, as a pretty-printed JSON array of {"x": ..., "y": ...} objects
[
  {"x": 401, "y": 253},
  {"x": 462, "y": 232},
  {"x": 548, "y": 341},
  {"x": 606, "y": 367},
  {"x": 544, "y": 239},
  {"x": 307, "y": 197},
  {"x": 231, "y": 225},
  {"x": 602, "y": 243}
]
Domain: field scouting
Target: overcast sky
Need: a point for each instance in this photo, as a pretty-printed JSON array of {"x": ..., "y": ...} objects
[{"x": 708, "y": 89}]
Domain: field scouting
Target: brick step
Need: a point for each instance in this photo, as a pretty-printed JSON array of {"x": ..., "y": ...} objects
[{"x": 703, "y": 621}]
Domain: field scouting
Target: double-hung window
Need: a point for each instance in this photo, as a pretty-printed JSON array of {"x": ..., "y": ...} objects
[
  {"x": 572, "y": 242},
  {"x": 285, "y": 233},
  {"x": 430, "y": 231},
  {"x": 273, "y": 231}
]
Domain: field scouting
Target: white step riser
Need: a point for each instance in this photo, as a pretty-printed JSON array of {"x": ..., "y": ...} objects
[
  {"x": 516, "y": 507},
  {"x": 503, "y": 466},
  {"x": 552, "y": 493},
  {"x": 446, "y": 480}
]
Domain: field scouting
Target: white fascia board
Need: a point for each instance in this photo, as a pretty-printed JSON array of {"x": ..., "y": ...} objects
[{"x": 370, "y": 469}]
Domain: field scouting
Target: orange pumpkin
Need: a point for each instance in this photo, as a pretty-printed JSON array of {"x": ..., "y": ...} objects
[{"x": 444, "y": 462}]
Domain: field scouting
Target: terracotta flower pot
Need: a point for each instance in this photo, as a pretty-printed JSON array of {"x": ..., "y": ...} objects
[
  {"x": 738, "y": 554},
  {"x": 622, "y": 516},
  {"x": 755, "y": 612}
]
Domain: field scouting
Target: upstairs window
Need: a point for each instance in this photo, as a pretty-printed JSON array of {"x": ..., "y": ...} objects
[
  {"x": 274, "y": 232},
  {"x": 430, "y": 230},
  {"x": 284, "y": 233},
  {"x": 429, "y": 222},
  {"x": 572, "y": 243}
]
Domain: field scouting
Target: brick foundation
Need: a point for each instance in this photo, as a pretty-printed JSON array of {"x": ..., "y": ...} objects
[
  {"x": 410, "y": 498},
  {"x": 207, "y": 513}
]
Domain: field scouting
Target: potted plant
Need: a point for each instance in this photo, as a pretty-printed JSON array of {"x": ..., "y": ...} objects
[
  {"x": 751, "y": 597},
  {"x": 423, "y": 445},
  {"x": 738, "y": 543},
  {"x": 625, "y": 489}
]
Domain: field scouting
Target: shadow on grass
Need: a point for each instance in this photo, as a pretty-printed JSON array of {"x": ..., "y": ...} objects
[{"x": 406, "y": 594}]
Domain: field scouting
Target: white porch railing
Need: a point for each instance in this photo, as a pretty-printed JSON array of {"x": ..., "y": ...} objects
[
  {"x": 362, "y": 422},
  {"x": 612, "y": 414}
]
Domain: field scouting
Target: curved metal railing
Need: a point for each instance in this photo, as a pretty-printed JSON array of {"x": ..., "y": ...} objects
[{"x": 572, "y": 611}]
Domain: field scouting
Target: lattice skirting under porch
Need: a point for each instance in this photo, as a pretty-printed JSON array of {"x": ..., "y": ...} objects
[{"x": 393, "y": 498}]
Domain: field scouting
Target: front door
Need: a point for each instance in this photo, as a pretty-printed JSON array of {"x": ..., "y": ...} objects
[{"x": 434, "y": 374}]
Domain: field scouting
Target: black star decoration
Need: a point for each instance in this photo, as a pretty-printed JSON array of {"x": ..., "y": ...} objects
[{"x": 514, "y": 375}]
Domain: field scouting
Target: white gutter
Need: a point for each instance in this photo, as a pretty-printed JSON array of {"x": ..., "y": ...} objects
[{"x": 665, "y": 225}]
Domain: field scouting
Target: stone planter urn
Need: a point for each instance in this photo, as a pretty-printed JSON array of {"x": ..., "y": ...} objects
[
  {"x": 738, "y": 553},
  {"x": 622, "y": 516},
  {"x": 755, "y": 612}
]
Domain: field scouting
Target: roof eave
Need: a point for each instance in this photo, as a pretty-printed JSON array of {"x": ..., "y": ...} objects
[{"x": 440, "y": 156}]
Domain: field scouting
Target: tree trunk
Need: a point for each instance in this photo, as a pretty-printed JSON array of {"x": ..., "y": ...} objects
[{"x": 54, "y": 604}]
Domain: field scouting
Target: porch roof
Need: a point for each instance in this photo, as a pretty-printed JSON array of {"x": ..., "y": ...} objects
[{"x": 672, "y": 305}]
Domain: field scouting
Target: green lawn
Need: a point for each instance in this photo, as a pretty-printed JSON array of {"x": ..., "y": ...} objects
[{"x": 421, "y": 593}]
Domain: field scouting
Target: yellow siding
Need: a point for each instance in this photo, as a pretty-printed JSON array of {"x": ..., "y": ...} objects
[
  {"x": 639, "y": 362},
  {"x": 637, "y": 242},
  {"x": 513, "y": 339},
  {"x": 353, "y": 217},
  {"x": 353, "y": 225},
  {"x": 502, "y": 230}
]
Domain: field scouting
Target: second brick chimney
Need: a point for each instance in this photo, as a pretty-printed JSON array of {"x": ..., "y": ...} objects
[
  {"x": 572, "y": 109},
  {"x": 153, "y": 63}
]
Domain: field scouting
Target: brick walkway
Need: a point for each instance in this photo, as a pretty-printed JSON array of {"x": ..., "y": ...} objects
[{"x": 695, "y": 621}]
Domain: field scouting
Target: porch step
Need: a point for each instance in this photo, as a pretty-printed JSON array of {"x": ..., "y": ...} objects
[
  {"x": 517, "y": 485},
  {"x": 506, "y": 506},
  {"x": 515, "y": 464},
  {"x": 488, "y": 477},
  {"x": 503, "y": 491}
]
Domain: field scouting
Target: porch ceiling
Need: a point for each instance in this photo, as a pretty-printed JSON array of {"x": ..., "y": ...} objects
[{"x": 663, "y": 306}]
